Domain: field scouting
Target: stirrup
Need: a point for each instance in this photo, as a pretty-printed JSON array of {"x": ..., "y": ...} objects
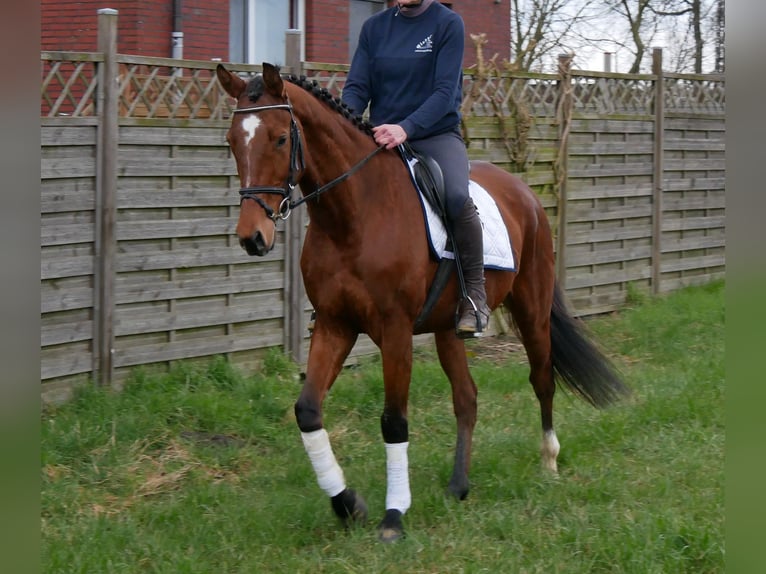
[
  {"x": 312, "y": 322},
  {"x": 475, "y": 330}
]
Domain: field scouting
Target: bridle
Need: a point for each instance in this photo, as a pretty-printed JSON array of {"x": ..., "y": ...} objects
[{"x": 296, "y": 166}]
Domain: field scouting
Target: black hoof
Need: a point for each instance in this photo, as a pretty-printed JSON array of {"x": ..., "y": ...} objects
[
  {"x": 349, "y": 507},
  {"x": 458, "y": 490},
  {"x": 390, "y": 528}
]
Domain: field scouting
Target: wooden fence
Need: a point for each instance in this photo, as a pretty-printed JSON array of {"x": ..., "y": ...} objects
[{"x": 139, "y": 201}]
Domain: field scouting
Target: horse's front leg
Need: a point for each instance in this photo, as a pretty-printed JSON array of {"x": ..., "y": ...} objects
[
  {"x": 396, "y": 351},
  {"x": 329, "y": 348}
]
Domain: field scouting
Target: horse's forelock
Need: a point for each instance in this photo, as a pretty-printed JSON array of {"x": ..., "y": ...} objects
[{"x": 255, "y": 87}]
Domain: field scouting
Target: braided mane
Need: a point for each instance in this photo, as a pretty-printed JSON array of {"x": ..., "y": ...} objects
[{"x": 255, "y": 90}]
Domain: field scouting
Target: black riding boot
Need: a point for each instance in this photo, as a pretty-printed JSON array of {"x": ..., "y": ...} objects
[{"x": 467, "y": 233}]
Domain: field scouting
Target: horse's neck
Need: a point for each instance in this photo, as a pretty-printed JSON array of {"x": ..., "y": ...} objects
[
  {"x": 333, "y": 147},
  {"x": 333, "y": 144},
  {"x": 376, "y": 205}
]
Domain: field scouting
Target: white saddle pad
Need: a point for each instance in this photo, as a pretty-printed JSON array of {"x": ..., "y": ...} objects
[{"x": 497, "y": 243}]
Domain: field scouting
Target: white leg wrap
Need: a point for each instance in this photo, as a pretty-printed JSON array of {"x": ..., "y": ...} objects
[
  {"x": 398, "y": 495},
  {"x": 328, "y": 471}
]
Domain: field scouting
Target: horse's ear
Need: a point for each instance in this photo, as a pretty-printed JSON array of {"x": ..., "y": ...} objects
[
  {"x": 272, "y": 80},
  {"x": 232, "y": 83}
]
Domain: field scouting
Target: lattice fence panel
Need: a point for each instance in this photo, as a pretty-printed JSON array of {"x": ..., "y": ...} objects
[
  {"x": 691, "y": 95},
  {"x": 69, "y": 84},
  {"x": 329, "y": 76},
  {"x": 156, "y": 91},
  {"x": 488, "y": 95},
  {"x": 613, "y": 95}
]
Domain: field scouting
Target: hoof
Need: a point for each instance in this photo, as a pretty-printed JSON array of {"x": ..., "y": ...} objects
[
  {"x": 457, "y": 490},
  {"x": 458, "y": 493},
  {"x": 390, "y": 528},
  {"x": 350, "y": 507}
]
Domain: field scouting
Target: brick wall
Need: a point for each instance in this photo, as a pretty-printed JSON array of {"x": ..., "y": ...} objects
[
  {"x": 144, "y": 27},
  {"x": 206, "y": 29},
  {"x": 494, "y": 20},
  {"x": 69, "y": 25},
  {"x": 327, "y": 31}
]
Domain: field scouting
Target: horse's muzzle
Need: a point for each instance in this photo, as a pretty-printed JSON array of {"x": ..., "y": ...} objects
[{"x": 255, "y": 244}]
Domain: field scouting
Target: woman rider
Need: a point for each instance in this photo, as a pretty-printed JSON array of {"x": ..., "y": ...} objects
[{"x": 408, "y": 67}]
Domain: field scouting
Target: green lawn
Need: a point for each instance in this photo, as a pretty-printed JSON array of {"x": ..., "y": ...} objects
[{"x": 203, "y": 470}]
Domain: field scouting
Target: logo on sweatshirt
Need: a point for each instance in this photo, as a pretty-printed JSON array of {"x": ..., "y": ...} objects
[{"x": 425, "y": 45}]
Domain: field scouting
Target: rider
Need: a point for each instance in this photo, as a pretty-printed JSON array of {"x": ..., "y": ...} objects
[{"x": 409, "y": 67}]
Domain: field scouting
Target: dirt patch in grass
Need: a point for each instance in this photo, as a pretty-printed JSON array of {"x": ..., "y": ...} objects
[{"x": 497, "y": 349}]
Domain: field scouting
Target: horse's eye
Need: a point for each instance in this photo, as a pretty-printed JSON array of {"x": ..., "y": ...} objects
[{"x": 282, "y": 140}]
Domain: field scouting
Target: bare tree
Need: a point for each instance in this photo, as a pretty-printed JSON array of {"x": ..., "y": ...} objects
[
  {"x": 692, "y": 12},
  {"x": 691, "y": 31},
  {"x": 686, "y": 28},
  {"x": 641, "y": 27},
  {"x": 719, "y": 27},
  {"x": 542, "y": 29}
]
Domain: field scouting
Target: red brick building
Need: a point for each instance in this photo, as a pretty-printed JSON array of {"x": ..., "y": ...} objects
[{"x": 249, "y": 31}]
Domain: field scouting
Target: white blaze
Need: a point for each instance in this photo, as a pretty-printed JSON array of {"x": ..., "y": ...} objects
[{"x": 250, "y": 124}]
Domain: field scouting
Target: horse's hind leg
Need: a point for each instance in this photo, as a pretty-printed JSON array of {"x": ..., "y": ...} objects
[
  {"x": 530, "y": 305},
  {"x": 452, "y": 357}
]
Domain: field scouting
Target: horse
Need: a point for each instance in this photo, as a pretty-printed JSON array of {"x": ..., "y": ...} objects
[{"x": 367, "y": 268}]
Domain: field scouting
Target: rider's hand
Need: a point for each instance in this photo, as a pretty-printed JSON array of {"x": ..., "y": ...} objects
[{"x": 389, "y": 135}]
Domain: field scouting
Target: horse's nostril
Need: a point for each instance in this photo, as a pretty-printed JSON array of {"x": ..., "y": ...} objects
[
  {"x": 254, "y": 245},
  {"x": 260, "y": 243}
]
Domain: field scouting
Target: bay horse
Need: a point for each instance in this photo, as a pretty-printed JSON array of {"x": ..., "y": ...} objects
[{"x": 367, "y": 268}]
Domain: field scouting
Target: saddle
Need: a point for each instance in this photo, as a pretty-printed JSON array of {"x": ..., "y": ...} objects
[{"x": 428, "y": 177}]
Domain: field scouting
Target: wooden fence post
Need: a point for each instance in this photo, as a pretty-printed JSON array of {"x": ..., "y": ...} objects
[
  {"x": 106, "y": 191},
  {"x": 659, "y": 168},
  {"x": 294, "y": 226},
  {"x": 564, "y": 120}
]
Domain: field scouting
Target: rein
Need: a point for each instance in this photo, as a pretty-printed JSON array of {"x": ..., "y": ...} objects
[{"x": 296, "y": 165}]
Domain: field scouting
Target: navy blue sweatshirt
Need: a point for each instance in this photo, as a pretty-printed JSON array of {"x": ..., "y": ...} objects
[{"x": 410, "y": 71}]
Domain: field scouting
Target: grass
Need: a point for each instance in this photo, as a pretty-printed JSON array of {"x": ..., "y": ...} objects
[{"x": 202, "y": 470}]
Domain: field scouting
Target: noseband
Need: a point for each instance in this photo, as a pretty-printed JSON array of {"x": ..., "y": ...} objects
[{"x": 296, "y": 166}]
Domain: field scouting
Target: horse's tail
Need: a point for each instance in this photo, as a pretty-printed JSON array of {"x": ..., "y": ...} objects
[{"x": 577, "y": 362}]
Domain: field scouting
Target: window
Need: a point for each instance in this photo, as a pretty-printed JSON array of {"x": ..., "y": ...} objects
[
  {"x": 359, "y": 11},
  {"x": 257, "y": 29}
]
